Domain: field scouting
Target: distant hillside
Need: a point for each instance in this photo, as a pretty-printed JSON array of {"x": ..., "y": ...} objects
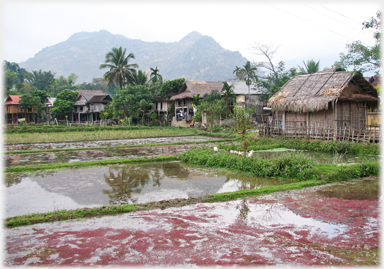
[{"x": 195, "y": 57}]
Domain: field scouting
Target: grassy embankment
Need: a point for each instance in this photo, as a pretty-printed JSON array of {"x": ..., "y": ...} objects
[
  {"x": 97, "y": 135},
  {"x": 297, "y": 169}
]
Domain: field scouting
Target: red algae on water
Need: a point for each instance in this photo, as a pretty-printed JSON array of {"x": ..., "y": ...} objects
[{"x": 294, "y": 228}]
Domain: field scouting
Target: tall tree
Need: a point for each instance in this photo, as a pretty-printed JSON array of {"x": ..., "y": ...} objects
[
  {"x": 171, "y": 87},
  {"x": 120, "y": 72},
  {"x": 64, "y": 102},
  {"x": 248, "y": 74},
  {"x": 276, "y": 75},
  {"x": 361, "y": 57},
  {"x": 155, "y": 76},
  {"x": 310, "y": 67},
  {"x": 228, "y": 94},
  {"x": 132, "y": 102},
  {"x": 141, "y": 78},
  {"x": 42, "y": 80},
  {"x": 36, "y": 100}
]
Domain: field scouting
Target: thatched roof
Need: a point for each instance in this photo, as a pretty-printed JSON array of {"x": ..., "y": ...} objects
[
  {"x": 314, "y": 92},
  {"x": 191, "y": 88}
]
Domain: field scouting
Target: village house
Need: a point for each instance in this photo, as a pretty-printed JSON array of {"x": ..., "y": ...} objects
[
  {"x": 329, "y": 104},
  {"x": 162, "y": 106},
  {"x": 183, "y": 100},
  {"x": 243, "y": 97},
  {"x": 14, "y": 113},
  {"x": 89, "y": 104}
]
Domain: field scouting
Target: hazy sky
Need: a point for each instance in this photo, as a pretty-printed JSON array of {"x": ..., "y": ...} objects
[{"x": 304, "y": 30}]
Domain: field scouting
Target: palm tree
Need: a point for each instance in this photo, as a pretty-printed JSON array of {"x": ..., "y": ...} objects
[
  {"x": 248, "y": 74},
  {"x": 155, "y": 76},
  {"x": 228, "y": 94},
  {"x": 310, "y": 67},
  {"x": 120, "y": 71},
  {"x": 140, "y": 79}
]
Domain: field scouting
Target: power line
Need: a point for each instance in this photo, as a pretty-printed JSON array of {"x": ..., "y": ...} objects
[
  {"x": 341, "y": 14},
  {"x": 310, "y": 22},
  {"x": 338, "y": 20}
]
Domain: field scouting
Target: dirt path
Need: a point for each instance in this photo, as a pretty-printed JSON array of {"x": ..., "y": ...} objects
[{"x": 296, "y": 228}]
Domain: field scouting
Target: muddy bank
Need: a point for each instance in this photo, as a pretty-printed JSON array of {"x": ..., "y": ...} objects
[
  {"x": 94, "y": 154},
  {"x": 295, "y": 228},
  {"x": 106, "y": 143}
]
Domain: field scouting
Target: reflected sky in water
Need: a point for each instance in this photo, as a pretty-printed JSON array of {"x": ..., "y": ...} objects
[{"x": 91, "y": 187}]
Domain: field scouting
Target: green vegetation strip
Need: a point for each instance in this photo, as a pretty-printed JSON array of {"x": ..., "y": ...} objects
[
  {"x": 98, "y": 135},
  {"x": 293, "y": 166},
  {"x": 122, "y": 146},
  {"x": 32, "y": 168},
  {"x": 118, "y": 209}
]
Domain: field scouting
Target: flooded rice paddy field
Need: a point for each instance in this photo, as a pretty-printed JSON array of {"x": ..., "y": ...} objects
[
  {"x": 94, "y": 154},
  {"x": 309, "y": 227},
  {"x": 21, "y": 159},
  {"x": 105, "y": 143},
  {"x": 124, "y": 184}
]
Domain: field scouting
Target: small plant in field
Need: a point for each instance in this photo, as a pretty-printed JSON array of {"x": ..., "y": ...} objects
[{"x": 242, "y": 125}]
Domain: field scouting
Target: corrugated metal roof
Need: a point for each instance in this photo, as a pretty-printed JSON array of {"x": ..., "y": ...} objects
[
  {"x": 241, "y": 88},
  {"x": 12, "y": 100}
]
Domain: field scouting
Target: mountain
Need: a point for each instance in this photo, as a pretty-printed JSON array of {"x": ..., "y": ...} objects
[{"x": 194, "y": 57}]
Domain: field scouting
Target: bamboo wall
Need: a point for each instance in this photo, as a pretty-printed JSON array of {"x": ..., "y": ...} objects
[{"x": 348, "y": 122}]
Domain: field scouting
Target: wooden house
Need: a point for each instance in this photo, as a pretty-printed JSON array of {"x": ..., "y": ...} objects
[
  {"x": 13, "y": 110},
  {"x": 329, "y": 104},
  {"x": 183, "y": 100},
  {"x": 89, "y": 104},
  {"x": 162, "y": 104}
]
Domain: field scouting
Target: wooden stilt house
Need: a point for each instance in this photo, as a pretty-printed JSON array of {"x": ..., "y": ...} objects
[{"x": 330, "y": 104}]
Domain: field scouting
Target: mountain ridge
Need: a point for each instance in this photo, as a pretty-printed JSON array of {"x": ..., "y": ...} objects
[{"x": 194, "y": 57}]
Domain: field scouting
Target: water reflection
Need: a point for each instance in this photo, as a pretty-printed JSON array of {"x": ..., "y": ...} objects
[
  {"x": 124, "y": 184},
  {"x": 130, "y": 179}
]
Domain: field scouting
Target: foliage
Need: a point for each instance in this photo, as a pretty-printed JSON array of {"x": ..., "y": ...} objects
[
  {"x": 64, "y": 102},
  {"x": 247, "y": 73},
  {"x": 242, "y": 124},
  {"x": 132, "y": 102},
  {"x": 42, "y": 80},
  {"x": 290, "y": 167},
  {"x": 62, "y": 83},
  {"x": 171, "y": 87},
  {"x": 120, "y": 71},
  {"x": 228, "y": 94},
  {"x": 212, "y": 97},
  {"x": 196, "y": 100},
  {"x": 141, "y": 78},
  {"x": 276, "y": 76},
  {"x": 155, "y": 76},
  {"x": 361, "y": 57},
  {"x": 310, "y": 67},
  {"x": 214, "y": 109},
  {"x": 14, "y": 76}
]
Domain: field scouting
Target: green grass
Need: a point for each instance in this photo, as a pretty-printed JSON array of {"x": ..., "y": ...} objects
[
  {"x": 98, "y": 135},
  {"x": 122, "y": 146}
]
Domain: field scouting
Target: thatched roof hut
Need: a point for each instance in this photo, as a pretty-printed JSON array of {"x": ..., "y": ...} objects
[{"x": 315, "y": 92}]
